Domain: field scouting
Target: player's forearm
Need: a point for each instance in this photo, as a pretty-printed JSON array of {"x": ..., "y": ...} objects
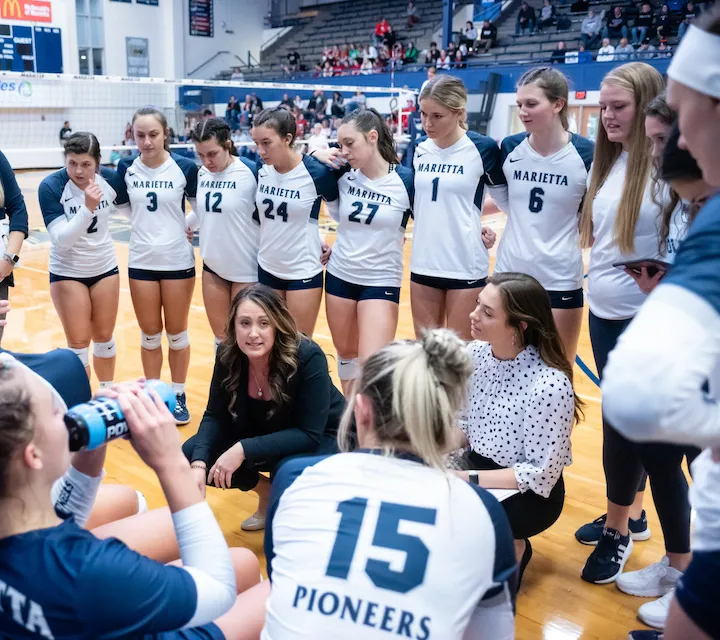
[
  {"x": 178, "y": 483},
  {"x": 15, "y": 241}
]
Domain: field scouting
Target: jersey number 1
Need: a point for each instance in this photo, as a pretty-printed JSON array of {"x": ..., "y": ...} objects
[
  {"x": 435, "y": 184},
  {"x": 387, "y": 536}
]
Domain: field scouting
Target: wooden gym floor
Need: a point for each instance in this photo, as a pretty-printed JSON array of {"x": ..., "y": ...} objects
[{"x": 553, "y": 604}]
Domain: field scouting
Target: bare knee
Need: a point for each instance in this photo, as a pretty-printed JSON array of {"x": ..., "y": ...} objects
[{"x": 247, "y": 568}]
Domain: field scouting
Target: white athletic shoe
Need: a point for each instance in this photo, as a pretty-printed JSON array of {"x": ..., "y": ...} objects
[
  {"x": 651, "y": 582},
  {"x": 654, "y": 614}
]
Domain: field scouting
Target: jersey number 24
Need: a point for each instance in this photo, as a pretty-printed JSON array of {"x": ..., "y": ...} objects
[{"x": 387, "y": 536}]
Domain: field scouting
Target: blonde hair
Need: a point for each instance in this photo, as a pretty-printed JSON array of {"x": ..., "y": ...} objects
[
  {"x": 553, "y": 84},
  {"x": 644, "y": 82},
  {"x": 416, "y": 387},
  {"x": 2, "y": 195},
  {"x": 451, "y": 93}
]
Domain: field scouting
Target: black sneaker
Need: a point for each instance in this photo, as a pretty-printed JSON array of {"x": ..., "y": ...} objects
[
  {"x": 182, "y": 415},
  {"x": 607, "y": 560},
  {"x": 592, "y": 532},
  {"x": 645, "y": 634}
]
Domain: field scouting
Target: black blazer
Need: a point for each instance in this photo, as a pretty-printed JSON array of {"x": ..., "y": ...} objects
[{"x": 315, "y": 409}]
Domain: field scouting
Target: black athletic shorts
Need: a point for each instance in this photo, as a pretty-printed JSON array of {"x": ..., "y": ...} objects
[
  {"x": 446, "y": 284},
  {"x": 335, "y": 286},
  {"x": 269, "y": 280},
  {"x": 567, "y": 299},
  {"x": 156, "y": 276},
  {"x": 88, "y": 282}
]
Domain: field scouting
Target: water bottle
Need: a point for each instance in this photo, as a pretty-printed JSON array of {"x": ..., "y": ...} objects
[{"x": 94, "y": 423}]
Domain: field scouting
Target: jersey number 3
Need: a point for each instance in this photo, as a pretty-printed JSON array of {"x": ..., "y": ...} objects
[{"x": 387, "y": 536}]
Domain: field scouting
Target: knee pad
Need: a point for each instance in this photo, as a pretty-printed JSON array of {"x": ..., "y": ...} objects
[
  {"x": 178, "y": 341},
  {"x": 104, "y": 349},
  {"x": 151, "y": 342},
  {"x": 83, "y": 354},
  {"x": 348, "y": 369}
]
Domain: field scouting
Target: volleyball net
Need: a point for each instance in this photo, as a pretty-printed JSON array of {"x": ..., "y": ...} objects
[{"x": 35, "y": 106}]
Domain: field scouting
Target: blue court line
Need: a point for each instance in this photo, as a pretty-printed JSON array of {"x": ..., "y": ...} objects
[{"x": 583, "y": 367}]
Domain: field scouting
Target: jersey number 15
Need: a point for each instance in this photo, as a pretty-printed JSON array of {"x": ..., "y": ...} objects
[{"x": 387, "y": 536}]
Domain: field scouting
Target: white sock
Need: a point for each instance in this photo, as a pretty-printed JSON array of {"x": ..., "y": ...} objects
[
  {"x": 106, "y": 384},
  {"x": 178, "y": 388}
]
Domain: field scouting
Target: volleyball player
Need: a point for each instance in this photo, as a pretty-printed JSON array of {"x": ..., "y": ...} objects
[
  {"x": 546, "y": 171},
  {"x": 290, "y": 191},
  {"x": 365, "y": 271},
  {"x": 161, "y": 262},
  {"x": 229, "y": 223},
  {"x": 449, "y": 261},
  {"x": 384, "y": 541},
  {"x": 675, "y": 339},
  {"x": 76, "y": 203}
]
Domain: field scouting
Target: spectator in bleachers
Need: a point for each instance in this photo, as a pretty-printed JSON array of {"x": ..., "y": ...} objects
[
  {"x": 460, "y": 59},
  {"x": 690, "y": 12},
  {"x": 624, "y": 52},
  {"x": 236, "y": 74},
  {"x": 370, "y": 53},
  {"x": 65, "y": 132},
  {"x": 327, "y": 128},
  {"x": 664, "y": 22},
  {"x": 645, "y": 51},
  {"x": 337, "y": 108},
  {"x": 318, "y": 139},
  {"x": 663, "y": 50},
  {"x": 301, "y": 124},
  {"x": 584, "y": 56},
  {"x": 616, "y": 26},
  {"x": 390, "y": 38},
  {"x": 381, "y": 28},
  {"x": 432, "y": 54},
  {"x": 300, "y": 103},
  {"x": 591, "y": 29},
  {"x": 643, "y": 24},
  {"x": 287, "y": 101},
  {"x": 547, "y": 15},
  {"x": 451, "y": 50},
  {"x": 293, "y": 59},
  {"x": 413, "y": 16},
  {"x": 397, "y": 55},
  {"x": 470, "y": 34},
  {"x": 443, "y": 62},
  {"x": 366, "y": 68},
  {"x": 558, "y": 54},
  {"x": 431, "y": 73},
  {"x": 358, "y": 101},
  {"x": 327, "y": 70},
  {"x": 525, "y": 19},
  {"x": 606, "y": 53},
  {"x": 488, "y": 35},
  {"x": 232, "y": 113},
  {"x": 411, "y": 54},
  {"x": 353, "y": 53}
]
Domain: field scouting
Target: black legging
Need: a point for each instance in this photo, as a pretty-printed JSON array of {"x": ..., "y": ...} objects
[
  {"x": 529, "y": 513},
  {"x": 625, "y": 462}
]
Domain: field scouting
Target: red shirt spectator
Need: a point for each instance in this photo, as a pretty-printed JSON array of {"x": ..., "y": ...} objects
[
  {"x": 300, "y": 124},
  {"x": 382, "y": 27}
]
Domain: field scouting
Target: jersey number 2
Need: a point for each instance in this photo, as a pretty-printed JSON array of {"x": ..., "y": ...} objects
[
  {"x": 93, "y": 226},
  {"x": 281, "y": 211},
  {"x": 355, "y": 215},
  {"x": 536, "y": 202},
  {"x": 215, "y": 205},
  {"x": 387, "y": 536}
]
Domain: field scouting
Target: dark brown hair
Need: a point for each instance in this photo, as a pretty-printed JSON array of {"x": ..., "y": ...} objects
[
  {"x": 83, "y": 142},
  {"x": 160, "y": 117},
  {"x": 283, "y": 356},
  {"x": 553, "y": 84},
  {"x": 217, "y": 129},
  {"x": 367, "y": 120},
  {"x": 279, "y": 120},
  {"x": 525, "y": 300}
]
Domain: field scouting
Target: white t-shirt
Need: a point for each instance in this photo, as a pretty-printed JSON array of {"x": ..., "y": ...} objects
[
  {"x": 545, "y": 193},
  {"x": 372, "y": 216},
  {"x": 678, "y": 229},
  {"x": 229, "y": 221},
  {"x": 449, "y": 195},
  {"x": 316, "y": 142},
  {"x": 289, "y": 208},
  {"x": 612, "y": 294},
  {"x": 364, "y": 546},
  {"x": 158, "y": 239}
]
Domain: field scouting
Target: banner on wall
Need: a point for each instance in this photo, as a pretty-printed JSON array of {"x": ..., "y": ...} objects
[
  {"x": 30, "y": 10},
  {"x": 138, "y": 57},
  {"x": 201, "y": 18},
  {"x": 153, "y": 3}
]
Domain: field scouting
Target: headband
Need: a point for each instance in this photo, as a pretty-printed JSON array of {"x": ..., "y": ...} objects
[
  {"x": 696, "y": 62},
  {"x": 9, "y": 362}
]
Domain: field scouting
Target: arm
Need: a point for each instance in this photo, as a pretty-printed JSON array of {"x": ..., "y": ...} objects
[
  {"x": 308, "y": 416},
  {"x": 216, "y": 419},
  {"x": 493, "y": 618},
  {"x": 74, "y": 494},
  {"x": 14, "y": 206}
]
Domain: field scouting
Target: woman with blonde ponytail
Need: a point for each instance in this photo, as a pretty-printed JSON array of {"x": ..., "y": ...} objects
[{"x": 332, "y": 521}]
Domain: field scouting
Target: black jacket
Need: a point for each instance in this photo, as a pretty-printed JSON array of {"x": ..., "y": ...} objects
[{"x": 315, "y": 408}]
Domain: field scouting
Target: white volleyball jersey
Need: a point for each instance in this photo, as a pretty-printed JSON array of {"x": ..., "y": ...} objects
[
  {"x": 545, "y": 193},
  {"x": 158, "y": 241},
  {"x": 229, "y": 223},
  {"x": 612, "y": 294},
  {"x": 679, "y": 223},
  {"x": 289, "y": 207},
  {"x": 360, "y": 545},
  {"x": 93, "y": 253},
  {"x": 449, "y": 191},
  {"x": 372, "y": 216}
]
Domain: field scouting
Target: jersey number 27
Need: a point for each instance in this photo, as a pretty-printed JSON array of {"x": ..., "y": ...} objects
[{"x": 387, "y": 536}]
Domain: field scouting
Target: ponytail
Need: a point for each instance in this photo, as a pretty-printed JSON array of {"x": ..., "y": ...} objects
[
  {"x": 415, "y": 387},
  {"x": 367, "y": 120}
]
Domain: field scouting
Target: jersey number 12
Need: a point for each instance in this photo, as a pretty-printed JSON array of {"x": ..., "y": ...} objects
[
  {"x": 215, "y": 208},
  {"x": 387, "y": 536}
]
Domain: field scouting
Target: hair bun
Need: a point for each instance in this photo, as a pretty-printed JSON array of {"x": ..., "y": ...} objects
[{"x": 447, "y": 356}]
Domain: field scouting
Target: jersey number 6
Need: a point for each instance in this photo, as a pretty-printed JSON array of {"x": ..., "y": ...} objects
[
  {"x": 386, "y": 536},
  {"x": 536, "y": 202}
]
